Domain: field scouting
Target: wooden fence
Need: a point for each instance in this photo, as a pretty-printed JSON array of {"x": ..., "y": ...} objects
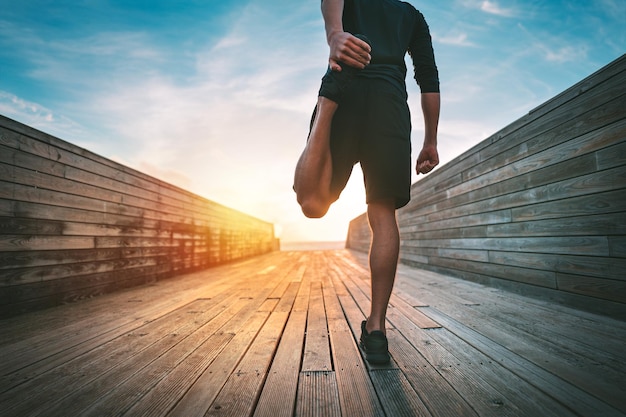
[
  {"x": 74, "y": 224},
  {"x": 539, "y": 207}
]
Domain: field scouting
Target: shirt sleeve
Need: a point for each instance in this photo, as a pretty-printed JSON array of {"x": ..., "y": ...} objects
[{"x": 421, "y": 52}]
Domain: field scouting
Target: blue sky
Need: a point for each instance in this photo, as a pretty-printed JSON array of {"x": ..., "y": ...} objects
[{"x": 215, "y": 96}]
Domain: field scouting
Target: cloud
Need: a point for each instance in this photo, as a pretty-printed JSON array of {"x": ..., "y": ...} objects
[
  {"x": 458, "y": 40},
  {"x": 35, "y": 115},
  {"x": 614, "y": 9},
  {"x": 493, "y": 8},
  {"x": 554, "y": 48},
  {"x": 223, "y": 110},
  {"x": 565, "y": 54},
  {"x": 229, "y": 42},
  {"x": 233, "y": 129},
  {"x": 11, "y": 104},
  {"x": 490, "y": 7}
]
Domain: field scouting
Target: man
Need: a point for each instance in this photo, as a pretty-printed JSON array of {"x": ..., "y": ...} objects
[{"x": 362, "y": 116}]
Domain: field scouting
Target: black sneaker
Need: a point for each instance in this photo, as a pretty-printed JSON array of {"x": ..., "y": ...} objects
[
  {"x": 335, "y": 83},
  {"x": 374, "y": 345}
]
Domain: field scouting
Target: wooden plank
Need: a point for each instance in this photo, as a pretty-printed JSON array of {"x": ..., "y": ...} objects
[
  {"x": 566, "y": 326},
  {"x": 85, "y": 170},
  {"x": 607, "y": 289},
  {"x": 535, "y": 123},
  {"x": 362, "y": 297},
  {"x": 73, "y": 270},
  {"x": 316, "y": 355},
  {"x": 318, "y": 395},
  {"x": 617, "y": 246},
  {"x": 28, "y": 139},
  {"x": 612, "y": 156},
  {"x": 14, "y": 226},
  {"x": 6, "y": 206},
  {"x": 115, "y": 190},
  {"x": 566, "y": 149},
  {"x": 75, "y": 379},
  {"x": 484, "y": 398},
  {"x": 609, "y": 202},
  {"x": 116, "y": 316},
  {"x": 515, "y": 389},
  {"x": 239, "y": 395},
  {"x": 597, "y": 224},
  {"x": 200, "y": 396},
  {"x": 355, "y": 313},
  {"x": 153, "y": 379},
  {"x": 162, "y": 397},
  {"x": 465, "y": 220},
  {"x": 546, "y": 354},
  {"x": 570, "y": 333},
  {"x": 587, "y": 304},
  {"x": 139, "y": 353},
  {"x": 75, "y": 288},
  {"x": 441, "y": 398},
  {"x": 64, "y": 208},
  {"x": 356, "y": 393},
  {"x": 102, "y": 314},
  {"x": 550, "y": 132},
  {"x": 29, "y": 194},
  {"x": 564, "y": 392},
  {"x": 21, "y": 242},
  {"x": 567, "y": 245},
  {"x": 594, "y": 266},
  {"x": 575, "y": 177},
  {"x": 62, "y": 198},
  {"x": 488, "y": 185},
  {"x": 278, "y": 397},
  {"x": 12, "y": 156},
  {"x": 476, "y": 255},
  {"x": 531, "y": 276},
  {"x": 396, "y": 394}
]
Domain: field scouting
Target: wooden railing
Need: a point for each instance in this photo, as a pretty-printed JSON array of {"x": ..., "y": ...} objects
[
  {"x": 538, "y": 207},
  {"x": 74, "y": 224}
]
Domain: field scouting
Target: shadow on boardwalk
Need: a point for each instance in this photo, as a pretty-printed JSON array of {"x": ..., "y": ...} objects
[{"x": 276, "y": 336}]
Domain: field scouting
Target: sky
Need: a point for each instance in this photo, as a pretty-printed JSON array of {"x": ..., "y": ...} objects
[{"x": 215, "y": 96}]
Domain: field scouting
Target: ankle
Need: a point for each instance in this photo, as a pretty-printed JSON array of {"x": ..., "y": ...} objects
[{"x": 373, "y": 325}]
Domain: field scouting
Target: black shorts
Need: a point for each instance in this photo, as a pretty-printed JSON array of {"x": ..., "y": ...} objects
[{"x": 372, "y": 126}]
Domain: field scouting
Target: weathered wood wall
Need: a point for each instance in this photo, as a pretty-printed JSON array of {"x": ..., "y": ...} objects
[
  {"x": 74, "y": 224},
  {"x": 540, "y": 204}
]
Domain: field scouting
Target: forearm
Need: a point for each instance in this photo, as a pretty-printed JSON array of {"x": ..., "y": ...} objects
[
  {"x": 431, "y": 104},
  {"x": 332, "y": 11}
]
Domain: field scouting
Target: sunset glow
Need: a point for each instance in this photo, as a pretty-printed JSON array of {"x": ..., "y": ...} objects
[{"x": 216, "y": 96}]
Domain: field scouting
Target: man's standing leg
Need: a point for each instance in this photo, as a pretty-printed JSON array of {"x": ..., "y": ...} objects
[{"x": 384, "y": 250}]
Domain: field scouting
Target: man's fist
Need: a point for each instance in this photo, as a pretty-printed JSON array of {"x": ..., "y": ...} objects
[
  {"x": 348, "y": 49},
  {"x": 427, "y": 160}
]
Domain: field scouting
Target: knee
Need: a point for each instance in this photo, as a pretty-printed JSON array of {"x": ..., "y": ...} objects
[
  {"x": 313, "y": 209},
  {"x": 382, "y": 215}
]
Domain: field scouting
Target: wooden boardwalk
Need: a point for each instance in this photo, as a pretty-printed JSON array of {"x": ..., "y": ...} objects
[{"x": 276, "y": 336}]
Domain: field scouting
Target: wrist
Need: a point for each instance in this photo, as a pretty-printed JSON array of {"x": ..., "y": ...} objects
[
  {"x": 430, "y": 142},
  {"x": 331, "y": 33}
]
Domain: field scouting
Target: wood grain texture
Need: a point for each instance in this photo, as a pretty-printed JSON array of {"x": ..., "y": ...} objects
[
  {"x": 74, "y": 225},
  {"x": 230, "y": 341}
]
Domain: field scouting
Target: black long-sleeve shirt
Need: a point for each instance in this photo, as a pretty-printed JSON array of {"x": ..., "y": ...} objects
[{"x": 394, "y": 28}]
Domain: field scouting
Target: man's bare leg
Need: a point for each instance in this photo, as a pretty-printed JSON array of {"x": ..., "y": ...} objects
[
  {"x": 384, "y": 250},
  {"x": 314, "y": 169}
]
